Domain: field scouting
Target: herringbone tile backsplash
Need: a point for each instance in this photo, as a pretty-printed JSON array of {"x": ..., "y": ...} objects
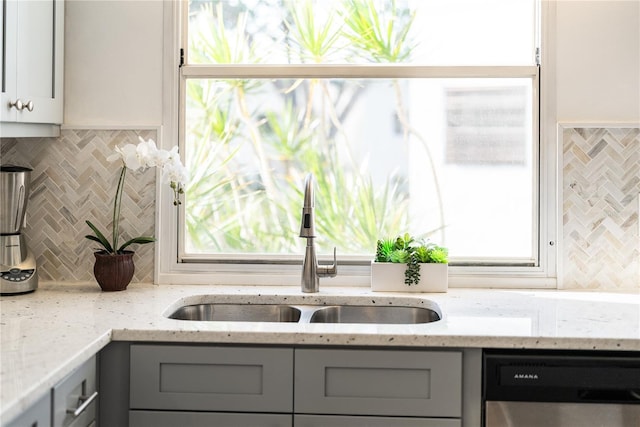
[
  {"x": 601, "y": 185},
  {"x": 72, "y": 182}
]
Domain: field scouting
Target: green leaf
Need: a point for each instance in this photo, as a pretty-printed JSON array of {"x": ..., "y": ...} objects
[
  {"x": 400, "y": 256},
  {"x": 139, "y": 240},
  {"x": 317, "y": 37},
  {"x": 412, "y": 273},
  {"x": 384, "y": 247},
  {"x": 422, "y": 254},
  {"x": 403, "y": 242},
  {"x": 439, "y": 255},
  {"x": 99, "y": 237},
  {"x": 94, "y": 238},
  {"x": 377, "y": 36}
]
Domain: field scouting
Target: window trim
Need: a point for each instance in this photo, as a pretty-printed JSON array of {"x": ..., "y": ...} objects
[
  {"x": 390, "y": 71},
  {"x": 170, "y": 270}
]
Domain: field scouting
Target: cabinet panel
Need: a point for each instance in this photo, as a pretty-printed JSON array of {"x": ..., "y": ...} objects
[
  {"x": 113, "y": 380},
  {"x": 355, "y": 421},
  {"x": 75, "y": 397},
  {"x": 247, "y": 379},
  {"x": 8, "y": 80},
  {"x": 32, "y": 44},
  {"x": 38, "y": 415},
  {"x": 36, "y": 41},
  {"x": 206, "y": 419},
  {"x": 371, "y": 382}
]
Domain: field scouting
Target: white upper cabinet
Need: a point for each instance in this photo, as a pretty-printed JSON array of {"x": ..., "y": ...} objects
[{"x": 32, "y": 43}]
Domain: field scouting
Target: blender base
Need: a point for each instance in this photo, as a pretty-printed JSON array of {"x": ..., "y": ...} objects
[{"x": 19, "y": 279}]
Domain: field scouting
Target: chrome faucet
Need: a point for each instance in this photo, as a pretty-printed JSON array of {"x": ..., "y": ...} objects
[{"x": 311, "y": 271}]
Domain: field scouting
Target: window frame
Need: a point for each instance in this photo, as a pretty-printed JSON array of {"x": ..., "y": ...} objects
[{"x": 172, "y": 268}]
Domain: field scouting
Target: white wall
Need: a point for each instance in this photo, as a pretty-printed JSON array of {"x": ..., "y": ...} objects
[
  {"x": 113, "y": 62},
  {"x": 598, "y": 61}
]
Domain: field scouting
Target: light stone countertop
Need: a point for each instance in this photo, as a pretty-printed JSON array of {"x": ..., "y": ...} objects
[{"x": 46, "y": 334}]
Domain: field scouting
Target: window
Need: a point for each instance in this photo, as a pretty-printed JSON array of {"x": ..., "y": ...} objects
[{"x": 413, "y": 115}]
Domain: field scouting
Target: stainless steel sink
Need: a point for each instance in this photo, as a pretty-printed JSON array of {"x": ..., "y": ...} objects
[
  {"x": 304, "y": 313},
  {"x": 238, "y": 313},
  {"x": 374, "y": 314}
]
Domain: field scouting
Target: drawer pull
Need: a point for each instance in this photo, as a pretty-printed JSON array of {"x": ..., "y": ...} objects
[{"x": 86, "y": 401}]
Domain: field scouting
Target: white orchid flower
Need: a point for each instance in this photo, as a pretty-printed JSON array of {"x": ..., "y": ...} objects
[
  {"x": 128, "y": 153},
  {"x": 162, "y": 157},
  {"x": 115, "y": 156},
  {"x": 137, "y": 157},
  {"x": 173, "y": 154},
  {"x": 176, "y": 175},
  {"x": 140, "y": 157},
  {"x": 175, "y": 172},
  {"x": 147, "y": 153}
]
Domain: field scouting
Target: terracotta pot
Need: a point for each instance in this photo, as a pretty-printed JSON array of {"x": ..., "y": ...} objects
[{"x": 113, "y": 272}]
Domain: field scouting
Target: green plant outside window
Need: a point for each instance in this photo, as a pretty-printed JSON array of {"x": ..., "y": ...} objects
[{"x": 449, "y": 159}]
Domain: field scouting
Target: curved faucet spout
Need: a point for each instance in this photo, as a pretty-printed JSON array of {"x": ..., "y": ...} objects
[
  {"x": 307, "y": 227},
  {"x": 311, "y": 271},
  {"x": 309, "y": 195}
]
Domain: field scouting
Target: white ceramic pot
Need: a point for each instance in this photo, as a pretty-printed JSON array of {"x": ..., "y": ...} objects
[{"x": 389, "y": 277}]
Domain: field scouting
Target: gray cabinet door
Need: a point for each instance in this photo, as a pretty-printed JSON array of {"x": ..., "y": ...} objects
[
  {"x": 361, "y": 421},
  {"x": 206, "y": 419},
  {"x": 379, "y": 382},
  {"x": 208, "y": 378},
  {"x": 75, "y": 397},
  {"x": 38, "y": 415}
]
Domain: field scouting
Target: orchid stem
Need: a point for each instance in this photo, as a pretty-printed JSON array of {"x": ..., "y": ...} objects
[{"x": 117, "y": 203}]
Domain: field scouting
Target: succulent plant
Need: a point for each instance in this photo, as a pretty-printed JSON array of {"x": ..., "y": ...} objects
[{"x": 405, "y": 249}]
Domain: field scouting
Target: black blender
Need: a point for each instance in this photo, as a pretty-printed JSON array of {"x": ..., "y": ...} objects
[{"x": 17, "y": 265}]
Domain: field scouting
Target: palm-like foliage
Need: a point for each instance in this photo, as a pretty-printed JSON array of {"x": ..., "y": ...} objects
[
  {"x": 213, "y": 43},
  {"x": 316, "y": 40},
  {"x": 383, "y": 37},
  {"x": 285, "y": 129}
]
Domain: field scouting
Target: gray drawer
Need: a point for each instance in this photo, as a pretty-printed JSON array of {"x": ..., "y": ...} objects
[
  {"x": 78, "y": 393},
  {"x": 359, "y": 421},
  {"x": 233, "y": 379},
  {"x": 38, "y": 415},
  {"x": 379, "y": 382},
  {"x": 206, "y": 419}
]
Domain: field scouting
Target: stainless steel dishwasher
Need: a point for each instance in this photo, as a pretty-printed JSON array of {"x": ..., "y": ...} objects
[{"x": 569, "y": 389}]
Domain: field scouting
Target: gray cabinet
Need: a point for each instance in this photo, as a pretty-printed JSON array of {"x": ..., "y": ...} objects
[
  {"x": 75, "y": 397},
  {"x": 31, "y": 84},
  {"x": 207, "y": 419},
  {"x": 213, "y": 379},
  {"x": 361, "y": 421},
  {"x": 401, "y": 383},
  {"x": 38, "y": 415},
  {"x": 71, "y": 402},
  {"x": 199, "y": 385}
]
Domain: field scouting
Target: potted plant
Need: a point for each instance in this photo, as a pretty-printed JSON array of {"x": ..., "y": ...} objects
[
  {"x": 404, "y": 264},
  {"x": 114, "y": 267}
]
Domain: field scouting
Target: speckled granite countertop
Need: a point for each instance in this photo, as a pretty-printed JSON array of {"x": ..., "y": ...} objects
[{"x": 46, "y": 334}]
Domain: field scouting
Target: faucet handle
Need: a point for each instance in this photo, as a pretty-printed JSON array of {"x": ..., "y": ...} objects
[{"x": 329, "y": 270}]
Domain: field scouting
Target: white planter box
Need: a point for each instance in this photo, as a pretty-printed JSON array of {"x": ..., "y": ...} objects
[{"x": 389, "y": 277}]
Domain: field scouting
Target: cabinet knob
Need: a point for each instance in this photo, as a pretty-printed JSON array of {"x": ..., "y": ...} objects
[{"x": 17, "y": 104}]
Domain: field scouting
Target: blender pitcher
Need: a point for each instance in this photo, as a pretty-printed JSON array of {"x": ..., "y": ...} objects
[{"x": 18, "y": 270}]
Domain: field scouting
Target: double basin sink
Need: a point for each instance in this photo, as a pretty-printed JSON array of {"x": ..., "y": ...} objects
[{"x": 295, "y": 313}]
